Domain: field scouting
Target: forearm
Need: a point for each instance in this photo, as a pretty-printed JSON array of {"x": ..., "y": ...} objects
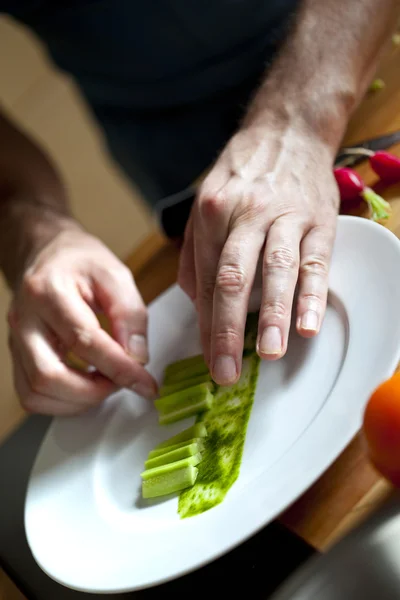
[
  {"x": 325, "y": 67},
  {"x": 33, "y": 205}
]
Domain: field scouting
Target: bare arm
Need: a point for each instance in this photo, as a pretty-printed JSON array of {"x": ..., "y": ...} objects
[
  {"x": 33, "y": 203},
  {"x": 325, "y": 66},
  {"x": 272, "y": 194}
]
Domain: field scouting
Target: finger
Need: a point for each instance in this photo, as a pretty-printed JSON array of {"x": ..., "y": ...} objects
[
  {"x": 210, "y": 232},
  {"x": 38, "y": 403},
  {"x": 48, "y": 375},
  {"x": 76, "y": 326},
  {"x": 187, "y": 272},
  {"x": 117, "y": 294},
  {"x": 234, "y": 280},
  {"x": 280, "y": 273},
  {"x": 316, "y": 251}
]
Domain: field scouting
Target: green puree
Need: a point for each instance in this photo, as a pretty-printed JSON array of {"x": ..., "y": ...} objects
[{"x": 226, "y": 425}]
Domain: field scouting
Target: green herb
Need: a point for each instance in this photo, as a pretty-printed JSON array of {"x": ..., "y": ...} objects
[{"x": 226, "y": 424}]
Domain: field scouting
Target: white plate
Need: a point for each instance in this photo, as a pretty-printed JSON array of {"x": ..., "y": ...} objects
[{"x": 85, "y": 523}]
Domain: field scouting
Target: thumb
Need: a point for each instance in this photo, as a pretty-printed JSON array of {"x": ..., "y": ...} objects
[{"x": 118, "y": 297}]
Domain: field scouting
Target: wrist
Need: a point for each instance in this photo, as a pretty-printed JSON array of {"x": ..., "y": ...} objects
[
  {"x": 274, "y": 144},
  {"x": 26, "y": 228},
  {"x": 320, "y": 116}
]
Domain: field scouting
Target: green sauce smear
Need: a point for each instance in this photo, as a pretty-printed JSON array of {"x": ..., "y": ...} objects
[{"x": 226, "y": 424}]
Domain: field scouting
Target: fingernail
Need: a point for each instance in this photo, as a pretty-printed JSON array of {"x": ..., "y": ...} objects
[
  {"x": 271, "y": 341},
  {"x": 144, "y": 390},
  {"x": 138, "y": 348},
  {"x": 309, "y": 321},
  {"x": 224, "y": 371}
]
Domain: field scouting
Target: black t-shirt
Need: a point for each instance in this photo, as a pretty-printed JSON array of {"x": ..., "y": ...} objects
[{"x": 167, "y": 79}]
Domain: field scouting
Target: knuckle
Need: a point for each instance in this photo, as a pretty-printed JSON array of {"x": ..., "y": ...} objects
[
  {"x": 34, "y": 285},
  {"x": 231, "y": 279},
  {"x": 280, "y": 259},
  {"x": 81, "y": 339},
  {"x": 119, "y": 276},
  {"x": 315, "y": 265},
  {"x": 227, "y": 338},
  {"x": 275, "y": 309},
  {"x": 124, "y": 275},
  {"x": 211, "y": 205},
  {"x": 312, "y": 298}
]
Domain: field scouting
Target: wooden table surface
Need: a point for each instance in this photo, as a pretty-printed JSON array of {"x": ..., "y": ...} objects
[{"x": 350, "y": 489}]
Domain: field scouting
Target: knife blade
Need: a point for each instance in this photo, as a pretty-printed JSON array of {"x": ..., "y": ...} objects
[{"x": 382, "y": 142}]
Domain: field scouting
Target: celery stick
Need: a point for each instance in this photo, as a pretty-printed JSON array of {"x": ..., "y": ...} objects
[
  {"x": 171, "y": 388},
  {"x": 185, "y": 369},
  {"x": 186, "y": 409},
  {"x": 168, "y": 484},
  {"x": 167, "y": 449},
  {"x": 189, "y": 394},
  {"x": 190, "y": 461},
  {"x": 172, "y": 456},
  {"x": 195, "y": 431},
  {"x": 183, "y": 364},
  {"x": 188, "y": 373}
]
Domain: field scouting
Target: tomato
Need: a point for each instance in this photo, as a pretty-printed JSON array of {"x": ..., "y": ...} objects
[{"x": 381, "y": 428}]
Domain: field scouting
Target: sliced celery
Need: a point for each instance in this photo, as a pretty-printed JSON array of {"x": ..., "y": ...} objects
[
  {"x": 183, "y": 364},
  {"x": 191, "y": 461},
  {"x": 172, "y": 456},
  {"x": 174, "y": 400},
  {"x": 186, "y": 409},
  {"x": 168, "y": 484},
  {"x": 167, "y": 449},
  {"x": 185, "y": 369},
  {"x": 171, "y": 388},
  {"x": 195, "y": 431}
]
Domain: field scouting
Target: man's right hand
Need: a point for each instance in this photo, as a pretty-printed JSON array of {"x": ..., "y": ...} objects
[{"x": 54, "y": 311}]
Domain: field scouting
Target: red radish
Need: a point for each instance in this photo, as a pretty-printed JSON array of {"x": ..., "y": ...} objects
[
  {"x": 351, "y": 187},
  {"x": 386, "y": 165},
  {"x": 349, "y": 183}
]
